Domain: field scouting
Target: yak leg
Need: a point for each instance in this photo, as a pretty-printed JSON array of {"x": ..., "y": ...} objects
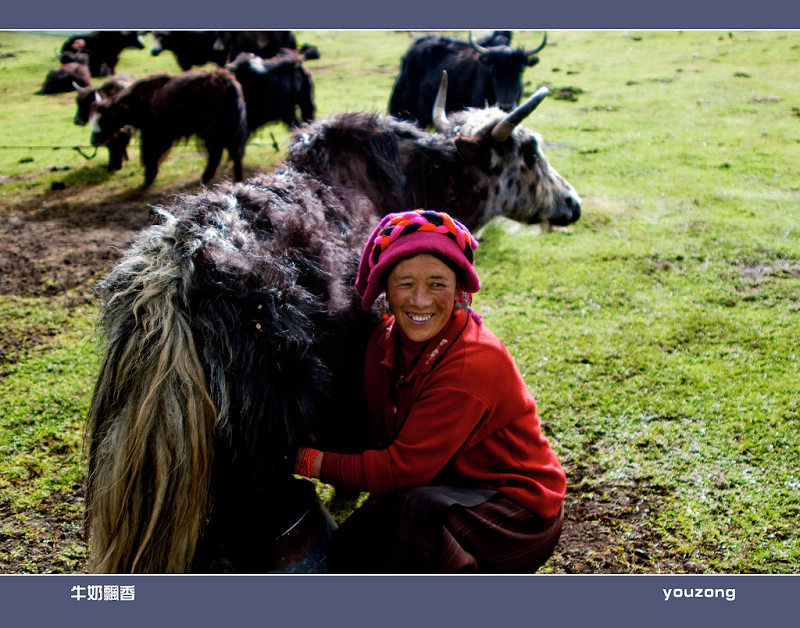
[
  {"x": 151, "y": 156},
  {"x": 236, "y": 157},
  {"x": 214, "y": 157},
  {"x": 115, "y": 158},
  {"x": 289, "y": 117},
  {"x": 117, "y": 151}
]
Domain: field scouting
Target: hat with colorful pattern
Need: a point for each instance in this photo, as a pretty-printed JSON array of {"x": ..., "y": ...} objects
[{"x": 405, "y": 234}]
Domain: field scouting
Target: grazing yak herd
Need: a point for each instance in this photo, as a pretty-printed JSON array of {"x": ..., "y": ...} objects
[
  {"x": 261, "y": 79},
  {"x": 233, "y": 332},
  {"x": 274, "y": 85}
]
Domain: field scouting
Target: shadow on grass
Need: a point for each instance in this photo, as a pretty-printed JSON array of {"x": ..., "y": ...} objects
[{"x": 96, "y": 174}]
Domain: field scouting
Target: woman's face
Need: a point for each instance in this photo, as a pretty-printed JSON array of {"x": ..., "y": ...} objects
[{"x": 421, "y": 292}]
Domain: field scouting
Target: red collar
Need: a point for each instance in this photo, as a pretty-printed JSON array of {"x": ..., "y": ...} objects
[{"x": 433, "y": 351}]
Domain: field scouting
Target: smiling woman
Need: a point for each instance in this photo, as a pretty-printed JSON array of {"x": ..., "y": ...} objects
[
  {"x": 421, "y": 292},
  {"x": 461, "y": 477}
]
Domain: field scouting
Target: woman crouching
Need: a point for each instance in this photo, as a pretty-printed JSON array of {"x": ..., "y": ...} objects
[{"x": 461, "y": 478}]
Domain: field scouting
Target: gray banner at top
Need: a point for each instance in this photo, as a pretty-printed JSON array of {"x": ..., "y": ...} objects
[{"x": 409, "y": 14}]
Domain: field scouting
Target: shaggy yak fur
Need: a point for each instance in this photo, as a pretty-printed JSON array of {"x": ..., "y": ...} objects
[{"x": 234, "y": 334}]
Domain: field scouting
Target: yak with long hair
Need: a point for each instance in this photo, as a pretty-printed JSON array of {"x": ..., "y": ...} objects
[{"x": 233, "y": 334}]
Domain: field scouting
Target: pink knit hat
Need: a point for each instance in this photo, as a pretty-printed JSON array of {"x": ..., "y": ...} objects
[{"x": 409, "y": 233}]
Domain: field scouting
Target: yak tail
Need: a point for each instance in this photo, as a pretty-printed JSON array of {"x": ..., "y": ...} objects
[{"x": 151, "y": 421}]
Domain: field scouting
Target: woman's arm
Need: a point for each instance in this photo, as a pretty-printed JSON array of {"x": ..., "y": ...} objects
[{"x": 435, "y": 429}]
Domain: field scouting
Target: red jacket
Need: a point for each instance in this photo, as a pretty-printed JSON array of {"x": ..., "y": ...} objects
[{"x": 463, "y": 416}]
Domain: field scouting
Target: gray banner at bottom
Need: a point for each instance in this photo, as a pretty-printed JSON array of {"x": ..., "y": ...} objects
[{"x": 401, "y": 601}]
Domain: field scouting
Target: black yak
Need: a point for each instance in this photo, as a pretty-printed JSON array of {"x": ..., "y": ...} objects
[
  {"x": 479, "y": 75},
  {"x": 274, "y": 90},
  {"x": 88, "y": 97},
  {"x": 209, "y": 105},
  {"x": 103, "y": 48},
  {"x": 264, "y": 43},
  {"x": 66, "y": 78},
  {"x": 191, "y": 48},
  {"x": 234, "y": 333}
]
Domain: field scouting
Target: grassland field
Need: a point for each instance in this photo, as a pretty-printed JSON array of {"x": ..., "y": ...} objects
[{"x": 660, "y": 334}]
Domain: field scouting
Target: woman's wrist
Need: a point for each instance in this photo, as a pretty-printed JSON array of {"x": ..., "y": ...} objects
[{"x": 308, "y": 462}]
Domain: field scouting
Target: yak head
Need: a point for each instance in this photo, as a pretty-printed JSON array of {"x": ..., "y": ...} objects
[
  {"x": 505, "y": 66},
  {"x": 106, "y": 117},
  {"x": 85, "y": 100},
  {"x": 504, "y": 163}
]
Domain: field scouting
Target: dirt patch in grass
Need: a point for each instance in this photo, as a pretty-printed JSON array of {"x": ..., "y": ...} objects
[
  {"x": 60, "y": 244},
  {"x": 781, "y": 268},
  {"x": 49, "y": 539},
  {"x": 57, "y": 244},
  {"x": 606, "y": 530}
]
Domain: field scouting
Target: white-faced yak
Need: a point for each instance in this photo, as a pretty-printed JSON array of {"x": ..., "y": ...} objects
[
  {"x": 88, "y": 99},
  {"x": 233, "y": 334}
]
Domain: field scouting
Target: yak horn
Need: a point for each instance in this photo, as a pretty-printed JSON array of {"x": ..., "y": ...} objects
[
  {"x": 476, "y": 46},
  {"x": 542, "y": 45},
  {"x": 502, "y": 131},
  {"x": 439, "y": 114}
]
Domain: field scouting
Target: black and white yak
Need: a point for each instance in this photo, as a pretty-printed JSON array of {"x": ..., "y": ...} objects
[{"x": 233, "y": 334}]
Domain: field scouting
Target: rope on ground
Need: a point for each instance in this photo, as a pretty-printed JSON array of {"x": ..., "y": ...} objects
[
  {"x": 84, "y": 155},
  {"x": 274, "y": 145}
]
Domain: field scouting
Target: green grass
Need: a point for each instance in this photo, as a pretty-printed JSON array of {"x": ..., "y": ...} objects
[
  {"x": 659, "y": 334},
  {"x": 43, "y": 400}
]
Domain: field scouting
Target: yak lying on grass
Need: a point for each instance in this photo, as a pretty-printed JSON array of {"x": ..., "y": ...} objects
[
  {"x": 234, "y": 333},
  {"x": 66, "y": 78}
]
